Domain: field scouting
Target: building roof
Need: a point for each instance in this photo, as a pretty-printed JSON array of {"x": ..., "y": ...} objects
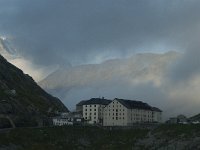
[
  {"x": 101, "y": 101},
  {"x": 156, "y": 109},
  {"x": 81, "y": 103},
  {"x": 133, "y": 104}
]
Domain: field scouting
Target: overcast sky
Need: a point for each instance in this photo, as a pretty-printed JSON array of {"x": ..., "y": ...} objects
[
  {"x": 75, "y": 31},
  {"x": 52, "y": 33}
]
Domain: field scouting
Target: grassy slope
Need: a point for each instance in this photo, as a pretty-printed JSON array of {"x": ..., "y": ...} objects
[{"x": 62, "y": 138}]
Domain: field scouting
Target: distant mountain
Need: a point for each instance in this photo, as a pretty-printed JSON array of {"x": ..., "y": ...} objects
[
  {"x": 21, "y": 98},
  {"x": 87, "y": 80}
]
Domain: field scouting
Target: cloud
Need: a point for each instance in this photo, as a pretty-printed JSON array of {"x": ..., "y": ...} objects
[
  {"x": 67, "y": 32},
  {"x": 77, "y": 32},
  {"x": 141, "y": 77}
]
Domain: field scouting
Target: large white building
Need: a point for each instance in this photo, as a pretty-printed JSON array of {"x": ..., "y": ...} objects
[
  {"x": 93, "y": 110},
  {"x": 122, "y": 112}
]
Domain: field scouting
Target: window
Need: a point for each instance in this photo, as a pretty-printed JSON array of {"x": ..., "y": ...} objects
[
  {"x": 116, "y": 118},
  {"x": 94, "y": 113},
  {"x": 94, "y": 109},
  {"x": 113, "y": 118},
  {"x": 86, "y": 114},
  {"x": 85, "y": 109},
  {"x": 90, "y": 105},
  {"x": 94, "y": 105}
]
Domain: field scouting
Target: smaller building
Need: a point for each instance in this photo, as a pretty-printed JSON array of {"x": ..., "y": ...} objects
[
  {"x": 179, "y": 119},
  {"x": 172, "y": 120},
  {"x": 182, "y": 119},
  {"x": 59, "y": 121},
  {"x": 72, "y": 118}
]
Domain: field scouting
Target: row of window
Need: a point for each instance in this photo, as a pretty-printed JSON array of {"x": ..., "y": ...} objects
[
  {"x": 90, "y": 118},
  {"x": 116, "y": 110},
  {"x": 116, "y": 114},
  {"x": 114, "y": 106},
  {"x": 90, "y": 114},
  {"x": 116, "y": 118},
  {"x": 90, "y": 105},
  {"x": 90, "y": 109}
]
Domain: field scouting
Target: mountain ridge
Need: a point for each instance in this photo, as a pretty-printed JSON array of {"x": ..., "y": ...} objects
[{"x": 21, "y": 97}]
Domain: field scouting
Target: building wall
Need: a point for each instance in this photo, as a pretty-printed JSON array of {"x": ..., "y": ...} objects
[
  {"x": 61, "y": 122},
  {"x": 79, "y": 108},
  {"x": 157, "y": 116},
  {"x": 93, "y": 113},
  {"x": 115, "y": 114}
]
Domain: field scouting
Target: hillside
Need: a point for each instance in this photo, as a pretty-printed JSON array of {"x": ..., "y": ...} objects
[
  {"x": 172, "y": 137},
  {"x": 21, "y": 98}
]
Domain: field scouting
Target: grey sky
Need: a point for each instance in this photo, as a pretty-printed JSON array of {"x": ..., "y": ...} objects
[
  {"x": 48, "y": 33},
  {"x": 77, "y": 32}
]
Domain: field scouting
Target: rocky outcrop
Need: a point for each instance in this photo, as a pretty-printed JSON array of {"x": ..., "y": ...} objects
[{"x": 21, "y": 98}]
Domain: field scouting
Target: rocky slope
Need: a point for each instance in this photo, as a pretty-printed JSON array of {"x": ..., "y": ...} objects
[{"x": 21, "y": 98}]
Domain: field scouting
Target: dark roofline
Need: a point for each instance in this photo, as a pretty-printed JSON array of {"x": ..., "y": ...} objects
[
  {"x": 81, "y": 103},
  {"x": 156, "y": 109},
  {"x": 133, "y": 104},
  {"x": 96, "y": 101}
]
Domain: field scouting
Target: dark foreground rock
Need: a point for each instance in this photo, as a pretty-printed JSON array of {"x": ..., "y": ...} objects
[{"x": 22, "y": 100}]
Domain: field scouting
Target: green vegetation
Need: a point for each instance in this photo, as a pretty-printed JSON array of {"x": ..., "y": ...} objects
[
  {"x": 63, "y": 138},
  {"x": 95, "y": 138},
  {"x": 178, "y": 130}
]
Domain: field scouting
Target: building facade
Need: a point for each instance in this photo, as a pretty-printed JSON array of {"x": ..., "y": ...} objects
[
  {"x": 71, "y": 118},
  {"x": 59, "y": 121},
  {"x": 79, "y": 106},
  {"x": 126, "y": 113},
  {"x": 93, "y": 110}
]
